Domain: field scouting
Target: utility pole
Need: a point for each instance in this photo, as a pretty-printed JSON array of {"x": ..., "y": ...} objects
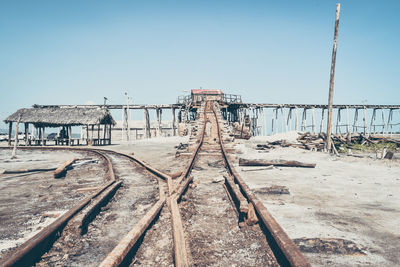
[
  {"x": 127, "y": 117},
  {"x": 332, "y": 81}
]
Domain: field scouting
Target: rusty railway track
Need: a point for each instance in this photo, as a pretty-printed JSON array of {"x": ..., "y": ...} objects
[
  {"x": 248, "y": 206},
  {"x": 30, "y": 251}
]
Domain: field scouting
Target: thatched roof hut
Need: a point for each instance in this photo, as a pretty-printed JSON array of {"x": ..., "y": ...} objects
[{"x": 56, "y": 116}]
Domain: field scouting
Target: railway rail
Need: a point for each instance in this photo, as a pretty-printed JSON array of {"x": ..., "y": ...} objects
[{"x": 199, "y": 233}]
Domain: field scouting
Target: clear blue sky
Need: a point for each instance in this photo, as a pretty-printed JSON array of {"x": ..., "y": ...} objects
[{"x": 72, "y": 52}]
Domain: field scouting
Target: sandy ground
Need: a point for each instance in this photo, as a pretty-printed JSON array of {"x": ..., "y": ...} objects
[
  {"x": 355, "y": 199},
  {"x": 158, "y": 152},
  {"x": 343, "y": 198}
]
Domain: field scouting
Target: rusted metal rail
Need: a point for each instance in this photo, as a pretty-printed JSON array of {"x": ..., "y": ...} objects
[{"x": 286, "y": 251}]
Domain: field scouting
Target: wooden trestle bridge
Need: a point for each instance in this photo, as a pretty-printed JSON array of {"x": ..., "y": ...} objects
[
  {"x": 268, "y": 119},
  {"x": 260, "y": 119}
]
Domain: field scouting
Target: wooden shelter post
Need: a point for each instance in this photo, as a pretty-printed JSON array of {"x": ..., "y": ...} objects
[
  {"x": 26, "y": 133},
  {"x": 42, "y": 136},
  {"x": 98, "y": 133},
  {"x": 9, "y": 132},
  {"x": 104, "y": 134},
  {"x": 87, "y": 134},
  {"x": 109, "y": 133},
  {"x": 92, "y": 133},
  {"x": 16, "y": 139},
  {"x": 69, "y": 135}
]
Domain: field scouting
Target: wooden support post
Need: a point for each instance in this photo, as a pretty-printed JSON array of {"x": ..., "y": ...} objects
[
  {"x": 283, "y": 116},
  {"x": 365, "y": 120},
  {"x": 159, "y": 118},
  {"x": 180, "y": 115},
  {"x": 9, "y": 132},
  {"x": 43, "y": 131},
  {"x": 87, "y": 134},
  {"x": 383, "y": 122},
  {"x": 313, "y": 120},
  {"x": 123, "y": 124},
  {"x": 348, "y": 121},
  {"x": 348, "y": 125},
  {"x": 16, "y": 139},
  {"x": 289, "y": 120},
  {"x": 355, "y": 126},
  {"x": 98, "y": 133},
  {"x": 390, "y": 118},
  {"x": 69, "y": 135},
  {"x": 26, "y": 133},
  {"x": 104, "y": 134},
  {"x": 373, "y": 122},
  {"x": 92, "y": 133},
  {"x": 322, "y": 121},
  {"x": 276, "y": 120},
  {"x": 338, "y": 119},
  {"x": 264, "y": 121},
  {"x": 147, "y": 123},
  {"x": 297, "y": 119},
  {"x": 173, "y": 122},
  {"x": 304, "y": 120},
  {"x": 332, "y": 80},
  {"x": 109, "y": 133}
]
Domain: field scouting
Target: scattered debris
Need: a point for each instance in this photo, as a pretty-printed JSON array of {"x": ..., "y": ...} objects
[
  {"x": 279, "y": 162},
  {"x": 25, "y": 170},
  {"x": 329, "y": 245},
  {"x": 216, "y": 164},
  {"x": 316, "y": 142},
  {"x": 389, "y": 155},
  {"x": 84, "y": 162},
  {"x": 273, "y": 190},
  {"x": 258, "y": 169},
  {"x": 182, "y": 146}
]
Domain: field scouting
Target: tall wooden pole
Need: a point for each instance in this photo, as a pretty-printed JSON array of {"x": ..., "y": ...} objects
[{"x": 332, "y": 80}]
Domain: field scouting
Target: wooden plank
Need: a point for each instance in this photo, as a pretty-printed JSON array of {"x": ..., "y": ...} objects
[
  {"x": 251, "y": 215},
  {"x": 181, "y": 259},
  {"x": 279, "y": 162},
  {"x": 237, "y": 196},
  {"x": 60, "y": 171},
  {"x": 118, "y": 254}
]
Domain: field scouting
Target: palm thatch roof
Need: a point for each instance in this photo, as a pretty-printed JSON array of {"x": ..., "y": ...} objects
[{"x": 56, "y": 116}]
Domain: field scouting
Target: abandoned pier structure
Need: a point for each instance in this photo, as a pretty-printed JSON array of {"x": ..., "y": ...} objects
[{"x": 252, "y": 119}]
